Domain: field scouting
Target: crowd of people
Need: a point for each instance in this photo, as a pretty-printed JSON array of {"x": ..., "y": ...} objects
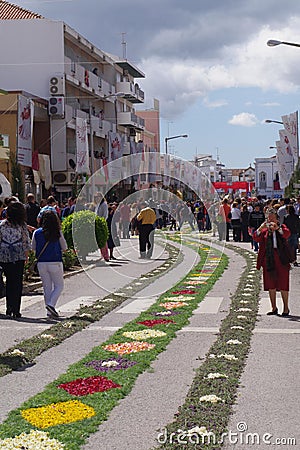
[{"x": 38, "y": 227}]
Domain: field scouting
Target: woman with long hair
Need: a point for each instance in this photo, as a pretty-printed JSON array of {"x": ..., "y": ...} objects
[
  {"x": 14, "y": 247},
  {"x": 48, "y": 243}
]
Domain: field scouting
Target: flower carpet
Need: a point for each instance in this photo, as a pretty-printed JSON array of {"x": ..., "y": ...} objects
[{"x": 69, "y": 421}]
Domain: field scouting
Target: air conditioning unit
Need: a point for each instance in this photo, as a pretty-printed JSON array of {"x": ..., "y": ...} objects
[
  {"x": 64, "y": 177},
  {"x": 56, "y": 107},
  {"x": 57, "y": 85}
]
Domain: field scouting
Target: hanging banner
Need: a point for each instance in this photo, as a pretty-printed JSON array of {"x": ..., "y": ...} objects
[
  {"x": 25, "y": 131},
  {"x": 82, "y": 147},
  {"x": 285, "y": 159},
  {"x": 290, "y": 123},
  {"x": 177, "y": 169},
  {"x": 115, "y": 153}
]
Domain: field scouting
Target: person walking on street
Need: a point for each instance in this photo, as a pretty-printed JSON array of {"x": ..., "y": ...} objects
[
  {"x": 48, "y": 243},
  {"x": 236, "y": 222},
  {"x": 292, "y": 221},
  {"x": 102, "y": 211},
  {"x": 125, "y": 220},
  {"x": 32, "y": 211},
  {"x": 14, "y": 248},
  {"x": 113, "y": 238},
  {"x": 273, "y": 258},
  {"x": 256, "y": 218},
  {"x": 146, "y": 219}
]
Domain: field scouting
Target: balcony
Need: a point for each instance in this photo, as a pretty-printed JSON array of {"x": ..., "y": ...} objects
[
  {"x": 129, "y": 119},
  {"x": 100, "y": 127},
  {"x": 79, "y": 76},
  {"x": 132, "y": 91}
]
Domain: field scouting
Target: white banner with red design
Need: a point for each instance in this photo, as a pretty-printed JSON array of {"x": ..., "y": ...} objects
[
  {"x": 82, "y": 147},
  {"x": 25, "y": 131}
]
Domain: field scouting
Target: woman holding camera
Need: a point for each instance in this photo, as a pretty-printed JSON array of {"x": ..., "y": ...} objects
[{"x": 274, "y": 259}]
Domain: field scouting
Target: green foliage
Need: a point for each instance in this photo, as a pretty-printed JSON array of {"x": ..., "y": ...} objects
[
  {"x": 85, "y": 232},
  {"x": 69, "y": 258},
  {"x": 290, "y": 191},
  {"x": 28, "y": 268}
]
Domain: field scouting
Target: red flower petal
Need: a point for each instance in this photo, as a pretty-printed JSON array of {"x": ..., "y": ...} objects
[
  {"x": 183, "y": 292},
  {"x": 152, "y": 323},
  {"x": 90, "y": 385}
]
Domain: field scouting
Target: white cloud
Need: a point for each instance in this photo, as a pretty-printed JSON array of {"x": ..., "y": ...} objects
[
  {"x": 244, "y": 120},
  {"x": 215, "y": 103},
  {"x": 271, "y": 104}
]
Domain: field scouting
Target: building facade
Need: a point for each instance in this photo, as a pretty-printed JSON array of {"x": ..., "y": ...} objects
[{"x": 57, "y": 64}]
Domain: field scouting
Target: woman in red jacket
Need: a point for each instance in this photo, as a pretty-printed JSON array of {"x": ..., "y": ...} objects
[{"x": 274, "y": 259}]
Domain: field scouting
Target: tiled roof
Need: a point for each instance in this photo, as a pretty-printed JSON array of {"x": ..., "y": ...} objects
[{"x": 9, "y": 11}]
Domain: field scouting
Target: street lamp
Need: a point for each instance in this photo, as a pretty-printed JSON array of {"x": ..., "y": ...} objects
[
  {"x": 173, "y": 137},
  {"x": 273, "y": 121},
  {"x": 274, "y": 43}
]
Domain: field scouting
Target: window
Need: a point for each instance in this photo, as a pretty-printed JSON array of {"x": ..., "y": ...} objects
[{"x": 262, "y": 180}]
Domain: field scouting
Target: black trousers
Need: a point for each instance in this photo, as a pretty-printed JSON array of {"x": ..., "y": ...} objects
[
  {"x": 145, "y": 240},
  {"x": 14, "y": 285}
]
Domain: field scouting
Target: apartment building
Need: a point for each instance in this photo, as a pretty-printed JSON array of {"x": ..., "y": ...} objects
[{"x": 52, "y": 61}]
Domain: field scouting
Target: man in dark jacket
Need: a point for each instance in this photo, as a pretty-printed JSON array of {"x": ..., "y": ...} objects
[
  {"x": 32, "y": 211},
  {"x": 256, "y": 218}
]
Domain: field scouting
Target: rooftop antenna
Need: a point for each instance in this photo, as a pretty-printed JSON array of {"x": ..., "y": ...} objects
[{"x": 124, "y": 46}]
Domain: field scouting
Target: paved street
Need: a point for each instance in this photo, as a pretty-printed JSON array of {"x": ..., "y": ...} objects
[{"x": 268, "y": 395}]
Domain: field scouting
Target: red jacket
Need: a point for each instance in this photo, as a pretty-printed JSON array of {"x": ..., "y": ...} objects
[{"x": 262, "y": 239}]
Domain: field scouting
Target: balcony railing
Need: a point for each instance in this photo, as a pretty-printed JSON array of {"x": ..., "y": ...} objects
[
  {"x": 132, "y": 91},
  {"x": 80, "y": 76},
  {"x": 129, "y": 119}
]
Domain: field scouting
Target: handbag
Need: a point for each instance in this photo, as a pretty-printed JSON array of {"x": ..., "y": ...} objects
[{"x": 33, "y": 266}]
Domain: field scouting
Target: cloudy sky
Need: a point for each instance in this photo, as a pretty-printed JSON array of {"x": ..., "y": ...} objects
[{"x": 206, "y": 61}]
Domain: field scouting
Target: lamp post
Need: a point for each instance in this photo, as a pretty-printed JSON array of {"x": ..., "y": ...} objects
[
  {"x": 274, "y": 43},
  {"x": 273, "y": 121},
  {"x": 173, "y": 137}
]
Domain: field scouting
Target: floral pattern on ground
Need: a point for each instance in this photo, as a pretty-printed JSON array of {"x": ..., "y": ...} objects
[
  {"x": 90, "y": 385},
  {"x": 140, "y": 335},
  {"x": 152, "y": 323},
  {"x": 124, "y": 348},
  {"x": 111, "y": 364},
  {"x": 35, "y": 440},
  {"x": 173, "y": 305},
  {"x": 58, "y": 414},
  {"x": 165, "y": 313},
  {"x": 184, "y": 292}
]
